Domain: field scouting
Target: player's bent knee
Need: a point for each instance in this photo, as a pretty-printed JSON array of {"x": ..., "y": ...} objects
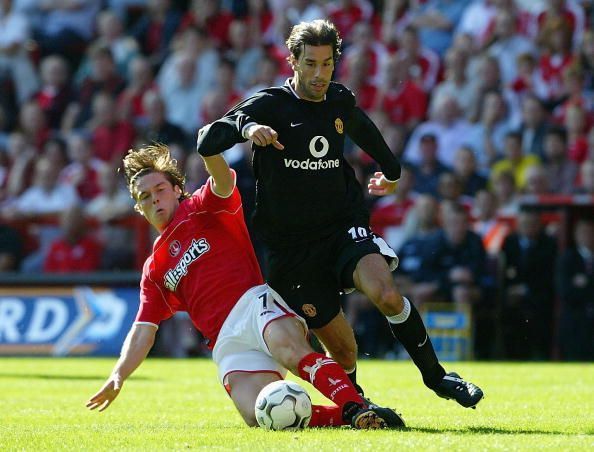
[{"x": 288, "y": 353}]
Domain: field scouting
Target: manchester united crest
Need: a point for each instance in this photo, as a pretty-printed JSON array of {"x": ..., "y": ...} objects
[
  {"x": 174, "y": 248},
  {"x": 339, "y": 126},
  {"x": 309, "y": 310}
]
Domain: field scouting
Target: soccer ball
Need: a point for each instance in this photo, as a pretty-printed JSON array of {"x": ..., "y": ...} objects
[{"x": 283, "y": 405}]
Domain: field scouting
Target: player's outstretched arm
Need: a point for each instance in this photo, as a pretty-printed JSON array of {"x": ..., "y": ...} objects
[
  {"x": 361, "y": 129},
  {"x": 138, "y": 343},
  {"x": 222, "y": 176}
]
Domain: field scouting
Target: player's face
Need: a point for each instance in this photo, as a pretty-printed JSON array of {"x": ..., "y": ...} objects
[
  {"x": 157, "y": 199},
  {"x": 313, "y": 71}
]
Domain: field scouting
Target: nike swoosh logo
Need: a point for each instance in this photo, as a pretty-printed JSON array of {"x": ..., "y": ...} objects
[
  {"x": 424, "y": 342},
  {"x": 293, "y": 124}
]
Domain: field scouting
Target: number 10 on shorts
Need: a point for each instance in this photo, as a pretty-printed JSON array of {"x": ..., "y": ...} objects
[{"x": 358, "y": 233}]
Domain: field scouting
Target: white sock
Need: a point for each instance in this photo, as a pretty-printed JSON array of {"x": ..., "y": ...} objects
[{"x": 403, "y": 316}]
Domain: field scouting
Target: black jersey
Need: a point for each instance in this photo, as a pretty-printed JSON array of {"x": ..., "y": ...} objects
[{"x": 307, "y": 190}]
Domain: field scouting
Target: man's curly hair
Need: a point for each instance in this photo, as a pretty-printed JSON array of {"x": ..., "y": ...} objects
[{"x": 154, "y": 158}]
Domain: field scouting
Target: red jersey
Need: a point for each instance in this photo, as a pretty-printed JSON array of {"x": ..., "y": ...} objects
[
  {"x": 202, "y": 263},
  {"x": 65, "y": 257},
  {"x": 408, "y": 102},
  {"x": 346, "y": 18},
  {"x": 389, "y": 213}
]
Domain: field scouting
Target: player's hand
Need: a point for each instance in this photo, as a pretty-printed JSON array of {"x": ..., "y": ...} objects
[
  {"x": 263, "y": 136},
  {"x": 380, "y": 186},
  {"x": 107, "y": 394}
]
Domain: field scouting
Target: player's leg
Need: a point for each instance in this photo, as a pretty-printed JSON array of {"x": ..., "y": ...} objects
[
  {"x": 372, "y": 276},
  {"x": 244, "y": 387},
  {"x": 338, "y": 339},
  {"x": 306, "y": 280},
  {"x": 286, "y": 342}
]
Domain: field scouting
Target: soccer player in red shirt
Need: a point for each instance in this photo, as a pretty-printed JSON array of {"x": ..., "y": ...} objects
[{"x": 203, "y": 263}]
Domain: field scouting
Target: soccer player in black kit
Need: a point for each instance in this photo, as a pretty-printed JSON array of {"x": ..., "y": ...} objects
[{"x": 310, "y": 210}]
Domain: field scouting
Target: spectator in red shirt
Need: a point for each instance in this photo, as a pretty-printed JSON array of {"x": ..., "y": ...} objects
[
  {"x": 207, "y": 14},
  {"x": 424, "y": 62},
  {"x": 402, "y": 99},
  {"x": 260, "y": 21},
  {"x": 567, "y": 10},
  {"x": 346, "y": 14},
  {"x": 358, "y": 81},
  {"x": 83, "y": 172},
  {"x": 574, "y": 94},
  {"x": 529, "y": 79},
  {"x": 523, "y": 20},
  {"x": 395, "y": 16},
  {"x": 140, "y": 80},
  {"x": 363, "y": 42},
  {"x": 76, "y": 251},
  {"x": 557, "y": 55},
  {"x": 110, "y": 136},
  {"x": 388, "y": 213}
]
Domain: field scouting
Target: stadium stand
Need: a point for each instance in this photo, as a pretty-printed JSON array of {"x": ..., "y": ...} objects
[{"x": 489, "y": 103}]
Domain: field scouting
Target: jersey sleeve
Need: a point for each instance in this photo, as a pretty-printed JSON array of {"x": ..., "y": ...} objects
[
  {"x": 367, "y": 136},
  {"x": 207, "y": 200},
  {"x": 154, "y": 307},
  {"x": 228, "y": 131}
]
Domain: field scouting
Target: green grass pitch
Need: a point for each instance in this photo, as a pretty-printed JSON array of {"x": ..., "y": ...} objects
[{"x": 179, "y": 405}]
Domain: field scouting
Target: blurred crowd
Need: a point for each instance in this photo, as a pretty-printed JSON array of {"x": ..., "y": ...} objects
[{"x": 486, "y": 103}]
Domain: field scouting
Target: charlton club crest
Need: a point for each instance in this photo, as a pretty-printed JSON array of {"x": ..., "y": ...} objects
[
  {"x": 174, "y": 248},
  {"x": 339, "y": 126}
]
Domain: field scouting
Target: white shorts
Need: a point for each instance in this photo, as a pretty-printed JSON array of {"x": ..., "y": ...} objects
[{"x": 240, "y": 346}]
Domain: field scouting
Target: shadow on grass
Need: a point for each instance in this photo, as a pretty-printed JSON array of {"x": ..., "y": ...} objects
[
  {"x": 61, "y": 377},
  {"x": 492, "y": 431}
]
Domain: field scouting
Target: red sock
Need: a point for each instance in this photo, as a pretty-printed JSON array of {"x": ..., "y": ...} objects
[
  {"x": 328, "y": 378},
  {"x": 326, "y": 416}
]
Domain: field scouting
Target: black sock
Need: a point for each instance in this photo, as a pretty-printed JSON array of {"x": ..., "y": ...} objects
[
  {"x": 411, "y": 333},
  {"x": 353, "y": 377}
]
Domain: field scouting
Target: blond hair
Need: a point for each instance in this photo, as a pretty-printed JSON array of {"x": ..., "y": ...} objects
[{"x": 154, "y": 158}]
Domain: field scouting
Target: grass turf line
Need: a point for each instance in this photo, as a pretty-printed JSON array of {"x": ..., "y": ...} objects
[{"x": 178, "y": 404}]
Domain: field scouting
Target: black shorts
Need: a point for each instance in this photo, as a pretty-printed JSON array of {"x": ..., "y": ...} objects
[{"x": 311, "y": 277}]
